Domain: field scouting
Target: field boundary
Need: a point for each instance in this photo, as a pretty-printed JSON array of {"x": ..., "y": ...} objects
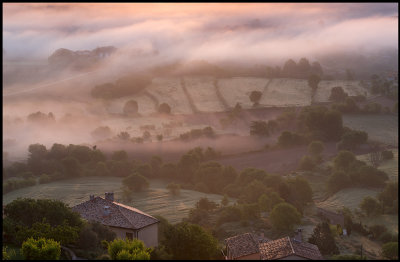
[
  {"x": 153, "y": 98},
  {"x": 220, "y": 96},
  {"x": 189, "y": 97}
]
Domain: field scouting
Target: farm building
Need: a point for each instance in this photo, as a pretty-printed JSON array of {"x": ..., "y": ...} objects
[
  {"x": 332, "y": 217},
  {"x": 252, "y": 247},
  {"x": 125, "y": 221}
]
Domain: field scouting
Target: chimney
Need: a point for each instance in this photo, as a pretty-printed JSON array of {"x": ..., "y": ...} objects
[
  {"x": 91, "y": 197},
  {"x": 298, "y": 235},
  {"x": 106, "y": 211},
  {"x": 109, "y": 196}
]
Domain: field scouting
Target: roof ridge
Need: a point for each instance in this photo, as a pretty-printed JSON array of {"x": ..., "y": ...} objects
[
  {"x": 122, "y": 213},
  {"x": 290, "y": 242}
]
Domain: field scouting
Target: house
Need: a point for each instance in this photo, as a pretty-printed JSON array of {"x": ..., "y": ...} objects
[
  {"x": 242, "y": 247},
  {"x": 287, "y": 248},
  {"x": 248, "y": 246},
  {"x": 125, "y": 221}
]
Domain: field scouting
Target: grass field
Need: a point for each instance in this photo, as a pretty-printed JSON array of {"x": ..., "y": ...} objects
[
  {"x": 352, "y": 88},
  {"x": 287, "y": 92},
  {"x": 237, "y": 89},
  {"x": 203, "y": 92},
  {"x": 169, "y": 90},
  {"x": 382, "y": 128},
  {"x": 156, "y": 200}
]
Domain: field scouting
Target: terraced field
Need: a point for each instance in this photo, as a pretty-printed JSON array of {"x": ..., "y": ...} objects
[{"x": 156, "y": 200}]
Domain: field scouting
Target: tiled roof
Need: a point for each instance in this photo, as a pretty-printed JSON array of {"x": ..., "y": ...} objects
[
  {"x": 241, "y": 245},
  {"x": 284, "y": 247},
  {"x": 120, "y": 215}
]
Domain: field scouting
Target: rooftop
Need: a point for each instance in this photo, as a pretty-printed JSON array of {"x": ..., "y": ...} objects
[
  {"x": 242, "y": 245},
  {"x": 119, "y": 215},
  {"x": 284, "y": 247}
]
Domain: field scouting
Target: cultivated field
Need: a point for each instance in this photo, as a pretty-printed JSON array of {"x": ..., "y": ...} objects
[
  {"x": 287, "y": 92},
  {"x": 237, "y": 89},
  {"x": 156, "y": 200},
  {"x": 382, "y": 128},
  {"x": 169, "y": 90},
  {"x": 352, "y": 88},
  {"x": 203, "y": 92}
]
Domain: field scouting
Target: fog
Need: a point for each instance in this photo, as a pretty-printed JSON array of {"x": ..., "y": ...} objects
[{"x": 150, "y": 35}]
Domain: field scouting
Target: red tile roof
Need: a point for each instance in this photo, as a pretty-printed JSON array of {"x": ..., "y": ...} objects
[
  {"x": 120, "y": 215},
  {"x": 284, "y": 247},
  {"x": 241, "y": 245}
]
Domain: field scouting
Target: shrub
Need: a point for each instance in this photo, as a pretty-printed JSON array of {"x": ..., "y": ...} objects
[
  {"x": 135, "y": 182},
  {"x": 164, "y": 108},
  {"x": 370, "y": 205},
  {"x": 120, "y": 249},
  {"x": 387, "y": 154},
  {"x": 390, "y": 250},
  {"x": 41, "y": 249},
  {"x": 306, "y": 164},
  {"x": 174, "y": 189},
  {"x": 284, "y": 216}
]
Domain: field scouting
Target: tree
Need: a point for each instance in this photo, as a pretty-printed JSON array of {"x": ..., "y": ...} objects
[
  {"x": 284, "y": 216},
  {"x": 259, "y": 128},
  {"x": 289, "y": 68},
  {"x": 135, "y": 182},
  {"x": 174, "y": 189},
  {"x": 387, "y": 154},
  {"x": 338, "y": 94},
  {"x": 391, "y": 250},
  {"x": 303, "y": 66},
  {"x": 128, "y": 249},
  {"x": 343, "y": 160},
  {"x": 315, "y": 148},
  {"x": 322, "y": 237},
  {"x": 164, "y": 108},
  {"x": 124, "y": 136},
  {"x": 187, "y": 241},
  {"x": 313, "y": 81},
  {"x": 206, "y": 204},
  {"x": 102, "y": 132},
  {"x": 306, "y": 164},
  {"x": 389, "y": 195},
  {"x": 131, "y": 108},
  {"x": 119, "y": 155},
  {"x": 369, "y": 205},
  {"x": 159, "y": 137},
  {"x": 41, "y": 249},
  {"x": 255, "y": 97},
  {"x": 337, "y": 181},
  {"x": 225, "y": 200}
]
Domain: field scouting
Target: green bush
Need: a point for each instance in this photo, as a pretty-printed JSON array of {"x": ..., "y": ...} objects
[
  {"x": 41, "y": 249},
  {"x": 284, "y": 216},
  {"x": 306, "y": 164},
  {"x": 390, "y": 250},
  {"x": 134, "y": 249}
]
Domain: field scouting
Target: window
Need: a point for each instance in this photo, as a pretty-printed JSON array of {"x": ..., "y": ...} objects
[{"x": 129, "y": 235}]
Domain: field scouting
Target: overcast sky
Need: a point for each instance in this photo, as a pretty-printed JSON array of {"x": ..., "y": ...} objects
[{"x": 211, "y": 31}]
